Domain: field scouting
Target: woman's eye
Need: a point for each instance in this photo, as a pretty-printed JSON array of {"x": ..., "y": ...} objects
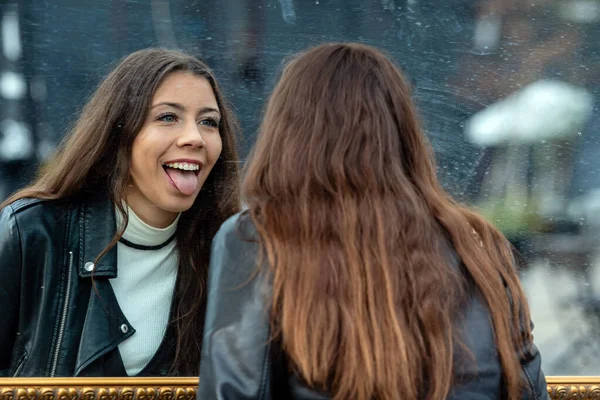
[
  {"x": 210, "y": 122},
  {"x": 169, "y": 118}
]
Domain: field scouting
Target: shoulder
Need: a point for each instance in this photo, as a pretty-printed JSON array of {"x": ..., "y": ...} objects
[
  {"x": 235, "y": 249},
  {"x": 19, "y": 221},
  {"x": 237, "y": 230},
  {"x": 21, "y": 205},
  {"x": 28, "y": 206},
  {"x": 31, "y": 210}
]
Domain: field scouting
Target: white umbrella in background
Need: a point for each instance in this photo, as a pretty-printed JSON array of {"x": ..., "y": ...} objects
[
  {"x": 543, "y": 110},
  {"x": 546, "y": 114}
]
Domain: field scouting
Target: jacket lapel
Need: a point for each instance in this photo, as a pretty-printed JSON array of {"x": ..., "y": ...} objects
[
  {"x": 105, "y": 326},
  {"x": 97, "y": 227}
]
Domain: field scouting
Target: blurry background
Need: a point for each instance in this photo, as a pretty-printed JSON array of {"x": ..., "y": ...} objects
[{"x": 508, "y": 91}]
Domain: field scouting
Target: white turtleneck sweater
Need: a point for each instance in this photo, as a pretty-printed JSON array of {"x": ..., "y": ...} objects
[{"x": 144, "y": 288}]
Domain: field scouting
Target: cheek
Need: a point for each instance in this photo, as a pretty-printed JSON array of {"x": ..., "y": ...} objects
[
  {"x": 138, "y": 148},
  {"x": 215, "y": 148},
  {"x": 142, "y": 155},
  {"x": 137, "y": 159},
  {"x": 146, "y": 148}
]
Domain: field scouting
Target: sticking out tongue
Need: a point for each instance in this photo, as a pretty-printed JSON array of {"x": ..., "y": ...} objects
[{"x": 185, "y": 181}]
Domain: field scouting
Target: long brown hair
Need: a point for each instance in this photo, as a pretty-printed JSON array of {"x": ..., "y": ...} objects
[
  {"x": 95, "y": 156},
  {"x": 343, "y": 190}
]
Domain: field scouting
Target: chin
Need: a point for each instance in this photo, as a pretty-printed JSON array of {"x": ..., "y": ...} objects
[{"x": 179, "y": 205}]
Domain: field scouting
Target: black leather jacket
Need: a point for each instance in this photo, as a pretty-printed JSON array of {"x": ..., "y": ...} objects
[
  {"x": 54, "y": 323},
  {"x": 240, "y": 362}
]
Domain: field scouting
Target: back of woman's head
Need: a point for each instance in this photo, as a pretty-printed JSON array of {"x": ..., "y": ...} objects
[
  {"x": 355, "y": 226},
  {"x": 341, "y": 119}
]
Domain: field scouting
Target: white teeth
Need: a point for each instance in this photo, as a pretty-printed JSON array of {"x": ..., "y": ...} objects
[{"x": 184, "y": 166}]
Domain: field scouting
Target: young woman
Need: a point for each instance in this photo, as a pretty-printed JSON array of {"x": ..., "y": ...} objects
[
  {"x": 103, "y": 259},
  {"x": 353, "y": 274}
]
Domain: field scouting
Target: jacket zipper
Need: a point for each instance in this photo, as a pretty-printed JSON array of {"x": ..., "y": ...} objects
[
  {"x": 63, "y": 319},
  {"x": 20, "y": 365}
]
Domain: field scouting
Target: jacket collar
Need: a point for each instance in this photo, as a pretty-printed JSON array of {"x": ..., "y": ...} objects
[
  {"x": 105, "y": 325},
  {"x": 97, "y": 227}
]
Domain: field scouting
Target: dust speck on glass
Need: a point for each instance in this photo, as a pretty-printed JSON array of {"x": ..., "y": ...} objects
[{"x": 508, "y": 93}]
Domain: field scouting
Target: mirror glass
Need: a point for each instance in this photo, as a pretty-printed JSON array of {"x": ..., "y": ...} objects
[{"x": 508, "y": 91}]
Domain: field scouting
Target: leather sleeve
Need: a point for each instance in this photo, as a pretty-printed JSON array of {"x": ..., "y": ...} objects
[
  {"x": 10, "y": 283},
  {"x": 531, "y": 360},
  {"x": 536, "y": 386},
  {"x": 479, "y": 373},
  {"x": 240, "y": 360},
  {"x": 235, "y": 351}
]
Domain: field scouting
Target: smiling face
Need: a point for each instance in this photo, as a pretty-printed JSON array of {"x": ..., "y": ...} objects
[{"x": 175, "y": 150}]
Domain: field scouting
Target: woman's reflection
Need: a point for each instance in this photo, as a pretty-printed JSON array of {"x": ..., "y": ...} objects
[{"x": 103, "y": 258}]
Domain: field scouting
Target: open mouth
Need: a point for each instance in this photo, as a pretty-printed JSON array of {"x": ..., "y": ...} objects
[
  {"x": 183, "y": 166},
  {"x": 184, "y": 176}
]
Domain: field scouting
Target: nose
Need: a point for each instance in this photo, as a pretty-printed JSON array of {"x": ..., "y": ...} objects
[{"x": 191, "y": 136}]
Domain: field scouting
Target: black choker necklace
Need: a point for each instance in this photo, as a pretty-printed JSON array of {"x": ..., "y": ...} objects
[{"x": 142, "y": 247}]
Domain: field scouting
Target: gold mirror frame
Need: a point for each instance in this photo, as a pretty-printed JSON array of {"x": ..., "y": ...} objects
[{"x": 559, "y": 387}]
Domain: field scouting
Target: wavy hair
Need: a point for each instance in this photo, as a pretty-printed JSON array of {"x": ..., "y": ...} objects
[
  {"x": 343, "y": 190},
  {"x": 95, "y": 156}
]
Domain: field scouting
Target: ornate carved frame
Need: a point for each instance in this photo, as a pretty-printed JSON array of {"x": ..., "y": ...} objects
[{"x": 559, "y": 387}]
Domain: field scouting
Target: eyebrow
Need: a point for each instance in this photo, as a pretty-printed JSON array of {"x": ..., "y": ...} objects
[{"x": 203, "y": 110}]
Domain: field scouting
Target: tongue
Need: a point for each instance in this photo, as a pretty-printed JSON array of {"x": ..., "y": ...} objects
[{"x": 185, "y": 181}]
